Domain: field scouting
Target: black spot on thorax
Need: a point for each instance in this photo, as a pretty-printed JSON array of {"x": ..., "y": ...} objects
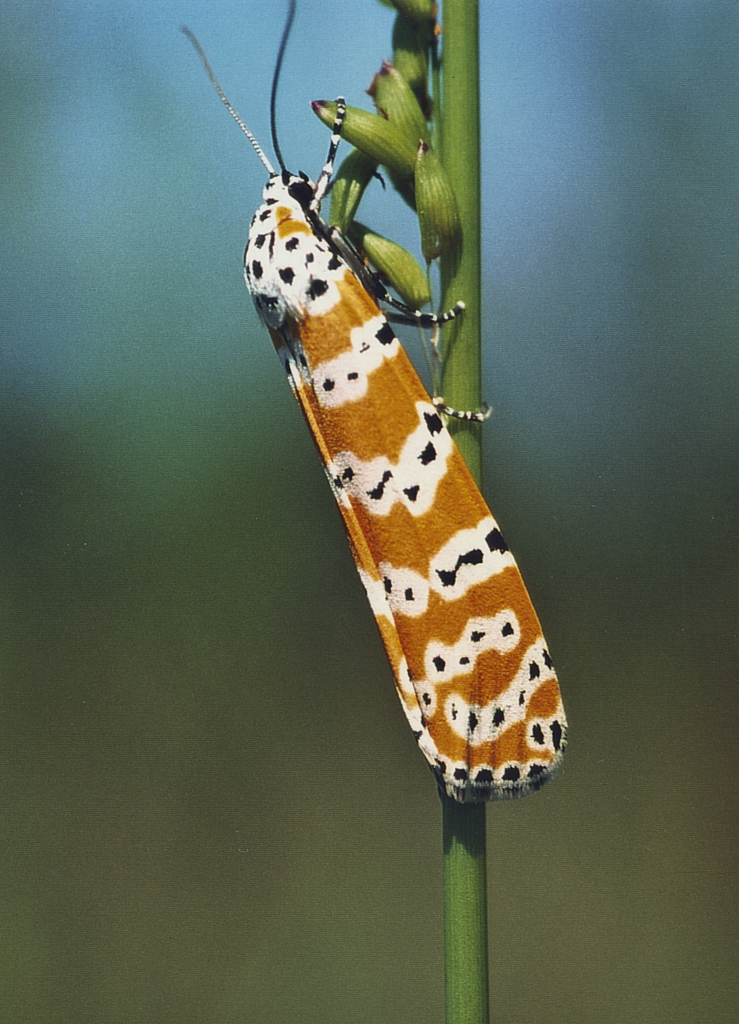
[{"x": 317, "y": 288}]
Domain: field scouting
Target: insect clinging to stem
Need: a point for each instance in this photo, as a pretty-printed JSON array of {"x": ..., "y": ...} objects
[{"x": 471, "y": 666}]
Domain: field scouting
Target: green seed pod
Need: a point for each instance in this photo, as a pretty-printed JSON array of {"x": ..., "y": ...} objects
[
  {"x": 417, "y": 11},
  {"x": 396, "y": 100},
  {"x": 395, "y": 264},
  {"x": 352, "y": 178},
  {"x": 375, "y": 136},
  {"x": 411, "y": 57},
  {"x": 438, "y": 215}
]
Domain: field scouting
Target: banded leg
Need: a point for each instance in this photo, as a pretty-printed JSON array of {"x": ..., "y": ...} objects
[
  {"x": 328, "y": 168},
  {"x": 373, "y": 284},
  {"x": 470, "y": 415},
  {"x": 473, "y": 415},
  {"x": 400, "y": 313}
]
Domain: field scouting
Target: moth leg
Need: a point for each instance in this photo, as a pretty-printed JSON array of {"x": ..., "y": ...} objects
[
  {"x": 328, "y": 168},
  {"x": 473, "y": 415},
  {"x": 400, "y": 313}
]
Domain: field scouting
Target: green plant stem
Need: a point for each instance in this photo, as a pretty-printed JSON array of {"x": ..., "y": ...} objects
[
  {"x": 465, "y": 913},
  {"x": 465, "y": 896},
  {"x": 460, "y": 271}
]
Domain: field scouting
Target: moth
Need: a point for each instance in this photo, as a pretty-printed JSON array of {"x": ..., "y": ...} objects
[{"x": 471, "y": 667}]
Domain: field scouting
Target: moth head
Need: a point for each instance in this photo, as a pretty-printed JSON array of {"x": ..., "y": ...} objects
[
  {"x": 289, "y": 188},
  {"x": 301, "y": 189}
]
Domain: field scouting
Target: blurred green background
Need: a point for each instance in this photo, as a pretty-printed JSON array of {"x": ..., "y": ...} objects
[{"x": 212, "y": 808}]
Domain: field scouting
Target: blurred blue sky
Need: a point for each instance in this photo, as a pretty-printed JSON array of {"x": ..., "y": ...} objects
[{"x": 610, "y": 234}]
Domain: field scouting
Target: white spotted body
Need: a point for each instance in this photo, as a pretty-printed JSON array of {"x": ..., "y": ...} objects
[
  {"x": 472, "y": 670},
  {"x": 289, "y": 272}
]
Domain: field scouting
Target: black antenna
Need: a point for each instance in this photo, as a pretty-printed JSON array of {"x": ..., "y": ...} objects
[{"x": 275, "y": 80}]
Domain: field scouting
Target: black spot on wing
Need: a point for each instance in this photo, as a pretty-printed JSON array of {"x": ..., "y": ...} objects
[
  {"x": 287, "y": 274},
  {"x": 256, "y": 269},
  {"x": 411, "y": 493},
  {"x": 427, "y": 455},
  {"x": 433, "y": 422},
  {"x": 385, "y": 335},
  {"x": 534, "y": 672},
  {"x": 292, "y": 243},
  {"x": 448, "y": 577},
  {"x": 377, "y": 492},
  {"x": 556, "y": 730},
  {"x": 495, "y": 542}
]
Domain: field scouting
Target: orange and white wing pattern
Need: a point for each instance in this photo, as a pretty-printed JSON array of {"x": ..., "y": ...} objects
[{"x": 471, "y": 665}]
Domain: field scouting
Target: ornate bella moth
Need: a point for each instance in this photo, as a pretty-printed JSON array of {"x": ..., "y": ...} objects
[{"x": 471, "y": 666}]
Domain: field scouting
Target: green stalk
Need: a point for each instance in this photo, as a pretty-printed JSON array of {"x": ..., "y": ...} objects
[
  {"x": 465, "y": 913},
  {"x": 460, "y": 271},
  {"x": 465, "y": 896}
]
